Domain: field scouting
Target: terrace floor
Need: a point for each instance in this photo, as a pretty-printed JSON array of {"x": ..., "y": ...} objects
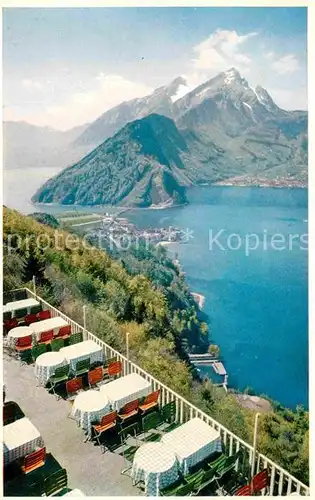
[{"x": 93, "y": 472}]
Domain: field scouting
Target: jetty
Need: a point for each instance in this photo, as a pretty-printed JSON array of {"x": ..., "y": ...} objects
[{"x": 217, "y": 366}]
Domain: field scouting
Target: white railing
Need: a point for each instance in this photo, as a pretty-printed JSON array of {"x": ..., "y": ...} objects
[{"x": 281, "y": 482}]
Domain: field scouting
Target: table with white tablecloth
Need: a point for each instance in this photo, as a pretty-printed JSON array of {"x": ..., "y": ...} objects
[
  {"x": 83, "y": 350},
  {"x": 90, "y": 406},
  {"x": 15, "y": 306},
  {"x": 74, "y": 493},
  {"x": 17, "y": 333},
  {"x": 47, "y": 324},
  {"x": 192, "y": 442},
  {"x": 126, "y": 389},
  {"x": 156, "y": 465},
  {"x": 46, "y": 364},
  {"x": 19, "y": 439}
]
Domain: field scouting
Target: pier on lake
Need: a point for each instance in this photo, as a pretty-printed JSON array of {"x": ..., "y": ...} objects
[{"x": 208, "y": 360}]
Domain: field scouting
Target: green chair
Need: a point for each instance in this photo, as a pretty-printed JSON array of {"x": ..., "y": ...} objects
[
  {"x": 20, "y": 295},
  {"x": 150, "y": 422},
  {"x": 178, "y": 490},
  {"x": 56, "y": 483},
  {"x": 129, "y": 453},
  {"x": 7, "y": 297},
  {"x": 168, "y": 414},
  {"x": 61, "y": 375},
  {"x": 203, "y": 480},
  {"x": 35, "y": 309},
  {"x": 26, "y": 357},
  {"x": 20, "y": 313},
  {"x": 82, "y": 367},
  {"x": 75, "y": 338},
  {"x": 57, "y": 344},
  {"x": 7, "y": 315},
  {"x": 37, "y": 350},
  {"x": 225, "y": 464}
]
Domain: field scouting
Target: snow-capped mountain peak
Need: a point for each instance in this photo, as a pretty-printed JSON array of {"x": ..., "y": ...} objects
[
  {"x": 265, "y": 99},
  {"x": 178, "y": 88},
  {"x": 231, "y": 76}
]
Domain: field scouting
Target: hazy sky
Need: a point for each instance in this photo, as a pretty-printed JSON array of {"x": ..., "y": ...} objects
[{"x": 65, "y": 67}]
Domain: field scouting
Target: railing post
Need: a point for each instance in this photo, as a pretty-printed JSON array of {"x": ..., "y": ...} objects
[
  {"x": 34, "y": 285},
  {"x": 84, "y": 321},
  {"x": 127, "y": 351},
  {"x": 255, "y": 444}
]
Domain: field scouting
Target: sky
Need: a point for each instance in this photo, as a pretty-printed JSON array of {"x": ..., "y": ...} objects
[{"x": 64, "y": 67}]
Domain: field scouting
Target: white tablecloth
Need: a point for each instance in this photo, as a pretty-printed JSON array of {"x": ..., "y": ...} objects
[
  {"x": 19, "y": 439},
  {"x": 126, "y": 389},
  {"x": 17, "y": 333},
  {"x": 74, "y": 493},
  {"x": 46, "y": 364},
  {"x": 48, "y": 324},
  {"x": 83, "y": 350},
  {"x": 156, "y": 465},
  {"x": 20, "y": 304},
  {"x": 90, "y": 406},
  {"x": 192, "y": 442}
]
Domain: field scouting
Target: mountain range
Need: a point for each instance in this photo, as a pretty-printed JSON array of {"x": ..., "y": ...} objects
[{"x": 147, "y": 151}]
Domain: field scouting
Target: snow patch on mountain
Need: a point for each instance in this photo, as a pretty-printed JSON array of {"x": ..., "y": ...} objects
[{"x": 181, "y": 91}]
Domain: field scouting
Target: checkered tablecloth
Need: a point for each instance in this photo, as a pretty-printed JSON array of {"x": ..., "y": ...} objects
[
  {"x": 83, "y": 350},
  {"x": 156, "y": 465},
  {"x": 192, "y": 442},
  {"x": 17, "y": 333},
  {"x": 126, "y": 389},
  {"x": 90, "y": 406},
  {"x": 20, "y": 304},
  {"x": 19, "y": 439},
  {"x": 47, "y": 324},
  {"x": 46, "y": 364}
]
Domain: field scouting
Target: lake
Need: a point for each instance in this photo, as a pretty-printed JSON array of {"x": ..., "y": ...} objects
[{"x": 256, "y": 299}]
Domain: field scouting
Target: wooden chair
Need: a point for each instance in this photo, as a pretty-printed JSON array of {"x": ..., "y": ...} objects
[
  {"x": 46, "y": 337},
  {"x": 23, "y": 343},
  {"x": 95, "y": 376},
  {"x": 73, "y": 386},
  {"x": 113, "y": 370},
  {"x": 44, "y": 315},
  {"x": 56, "y": 483},
  {"x": 30, "y": 318},
  {"x": 64, "y": 332},
  {"x": 259, "y": 482},
  {"x": 9, "y": 324},
  {"x": 33, "y": 460},
  {"x": 129, "y": 410},
  {"x": 107, "y": 422},
  {"x": 150, "y": 401},
  {"x": 244, "y": 491}
]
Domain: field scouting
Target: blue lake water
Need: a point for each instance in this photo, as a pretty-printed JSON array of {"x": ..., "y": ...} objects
[{"x": 257, "y": 301}]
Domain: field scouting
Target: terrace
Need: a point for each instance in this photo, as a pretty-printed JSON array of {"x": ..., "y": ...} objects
[{"x": 97, "y": 473}]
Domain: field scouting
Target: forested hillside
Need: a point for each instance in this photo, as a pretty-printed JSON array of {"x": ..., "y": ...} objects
[{"x": 143, "y": 294}]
